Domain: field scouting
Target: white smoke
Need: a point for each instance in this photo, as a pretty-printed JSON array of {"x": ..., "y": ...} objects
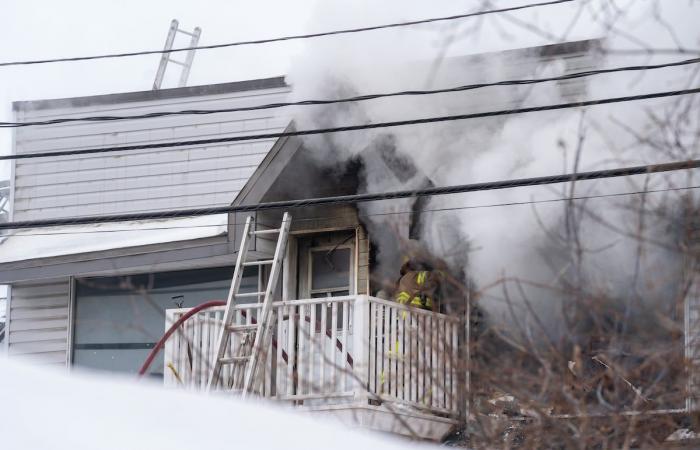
[{"x": 515, "y": 241}]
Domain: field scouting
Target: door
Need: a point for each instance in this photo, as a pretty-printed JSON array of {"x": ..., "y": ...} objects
[{"x": 326, "y": 270}]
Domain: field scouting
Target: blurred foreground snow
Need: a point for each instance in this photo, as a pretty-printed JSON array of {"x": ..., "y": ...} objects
[{"x": 43, "y": 408}]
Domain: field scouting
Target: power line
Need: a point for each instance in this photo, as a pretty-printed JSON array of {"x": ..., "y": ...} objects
[
  {"x": 361, "y": 198},
  {"x": 359, "y": 98},
  {"x": 369, "y": 126},
  {"x": 285, "y": 38},
  {"x": 388, "y": 213}
]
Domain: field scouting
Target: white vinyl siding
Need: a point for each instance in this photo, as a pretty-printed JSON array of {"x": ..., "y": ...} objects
[
  {"x": 38, "y": 318},
  {"x": 125, "y": 182},
  {"x": 142, "y": 180}
]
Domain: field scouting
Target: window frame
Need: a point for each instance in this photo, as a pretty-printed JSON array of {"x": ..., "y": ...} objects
[
  {"x": 74, "y": 300},
  {"x": 350, "y": 287}
]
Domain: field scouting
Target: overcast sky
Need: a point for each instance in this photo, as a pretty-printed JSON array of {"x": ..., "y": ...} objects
[{"x": 31, "y": 29}]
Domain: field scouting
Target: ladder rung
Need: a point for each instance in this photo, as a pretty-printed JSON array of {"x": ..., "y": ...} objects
[
  {"x": 250, "y": 294},
  {"x": 185, "y": 32},
  {"x": 239, "y": 328},
  {"x": 258, "y": 263},
  {"x": 234, "y": 360},
  {"x": 179, "y": 63},
  {"x": 271, "y": 231}
]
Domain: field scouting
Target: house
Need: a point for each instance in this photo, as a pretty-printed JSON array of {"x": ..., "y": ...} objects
[
  {"x": 100, "y": 296},
  {"x": 3, "y": 305}
]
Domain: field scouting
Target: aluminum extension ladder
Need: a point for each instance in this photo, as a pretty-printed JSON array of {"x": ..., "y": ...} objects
[
  {"x": 255, "y": 336},
  {"x": 166, "y": 56}
]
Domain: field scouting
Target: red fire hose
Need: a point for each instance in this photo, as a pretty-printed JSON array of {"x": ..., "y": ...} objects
[
  {"x": 211, "y": 304},
  {"x": 154, "y": 351}
]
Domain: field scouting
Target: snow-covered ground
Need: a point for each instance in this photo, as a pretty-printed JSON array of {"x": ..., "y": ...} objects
[{"x": 43, "y": 408}]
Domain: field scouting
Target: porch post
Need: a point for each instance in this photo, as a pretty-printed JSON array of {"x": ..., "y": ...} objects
[{"x": 360, "y": 347}]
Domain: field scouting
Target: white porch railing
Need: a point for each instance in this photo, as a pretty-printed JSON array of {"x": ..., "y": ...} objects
[
  {"x": 330, "y": 351},
  {"x": 413, "y": 356}
]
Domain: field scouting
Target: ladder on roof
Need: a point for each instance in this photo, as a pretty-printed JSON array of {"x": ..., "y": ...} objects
[
  {"x": 166, "y": 56},
  {"x": 255, "y": 336}
]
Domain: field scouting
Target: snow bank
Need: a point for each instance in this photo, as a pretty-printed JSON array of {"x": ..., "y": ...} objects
[{"x": 44, "y": 408}]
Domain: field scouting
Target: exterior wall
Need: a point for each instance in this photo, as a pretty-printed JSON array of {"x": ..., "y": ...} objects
[
  {"x": 318, "y": 220},
  {"x": 38, "y": 320},
  {"x": 362, "y": 261},
  {"x": 165, "y": 178}
]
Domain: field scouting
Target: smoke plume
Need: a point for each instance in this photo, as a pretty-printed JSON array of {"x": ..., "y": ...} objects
[{"x": 603, "y": 243}]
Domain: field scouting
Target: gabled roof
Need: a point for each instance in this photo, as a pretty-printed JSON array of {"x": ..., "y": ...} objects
[
  {"x": 269, "y": 170},
  {"x": 290, "y": 171}
]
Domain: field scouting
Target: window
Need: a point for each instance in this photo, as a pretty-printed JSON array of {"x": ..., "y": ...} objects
[
  {"x": 330, "y": 276},
  {"x": 330, "y": 272},
  {"x": 118, "y": 320}
]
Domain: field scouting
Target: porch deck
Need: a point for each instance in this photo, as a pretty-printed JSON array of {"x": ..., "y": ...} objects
[{"x": 372, "y": 362}]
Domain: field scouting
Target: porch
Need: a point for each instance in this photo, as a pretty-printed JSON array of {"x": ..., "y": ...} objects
[{"x": 367, "y": 361}]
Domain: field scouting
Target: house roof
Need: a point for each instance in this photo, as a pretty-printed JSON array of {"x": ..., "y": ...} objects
[
  {"x": 116, "y": 248},
  {"x": 277, "y": 177},
  {"x": 152, "y": 95},
  {"x": 67, "y": 240},
  {"x": 269, "y": 169}
]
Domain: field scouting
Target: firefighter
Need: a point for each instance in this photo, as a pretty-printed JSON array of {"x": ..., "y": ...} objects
[{"x": 419, "y": 285}]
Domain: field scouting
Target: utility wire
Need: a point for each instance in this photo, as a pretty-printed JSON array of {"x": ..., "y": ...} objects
[
  {"x": 361, "y": 198},
  {"x": 285, "y": 38},
  {"x": 359, "y": 98},
  {"x": 369, "y": 126},
  {"x": 388, "y": 213}
]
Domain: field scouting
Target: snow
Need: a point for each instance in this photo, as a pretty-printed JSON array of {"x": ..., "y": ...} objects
[
  {"x": 46, "y": 408},
  {"x": 75, "y": 239}
]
